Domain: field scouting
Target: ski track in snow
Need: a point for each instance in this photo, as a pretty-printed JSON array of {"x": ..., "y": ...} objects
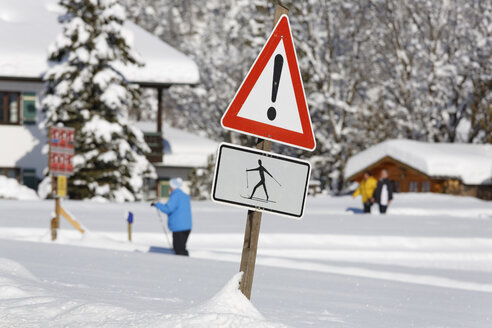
[{"x": 405, "y": 251}]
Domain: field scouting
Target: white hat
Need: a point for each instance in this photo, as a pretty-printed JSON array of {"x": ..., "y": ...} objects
[{"x": 176, "y": 183}]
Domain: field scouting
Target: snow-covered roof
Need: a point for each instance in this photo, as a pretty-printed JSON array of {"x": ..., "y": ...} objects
[
  {"x": 471, "y": 163},
  {"x": 181, "y": 148},
  {"x": 185, "y": 149},
  {"x": 28, "y": 27}
]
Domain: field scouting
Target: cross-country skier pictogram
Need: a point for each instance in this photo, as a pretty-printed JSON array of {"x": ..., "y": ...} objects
[{"x": 261, "y": 170}]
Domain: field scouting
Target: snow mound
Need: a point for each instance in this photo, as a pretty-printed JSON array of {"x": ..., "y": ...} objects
[
  {"x": 36, "y": 303},
  {"x": 44, "y": 188},
  {"x": 231, "y": 300},
  {"x": 26, "y": 299},
  {"x": 9, "y": 268},
  {"x": 228, "y": 308},
  {"x": 13, "y": 280},
  {"x": 11, "y": 189}
]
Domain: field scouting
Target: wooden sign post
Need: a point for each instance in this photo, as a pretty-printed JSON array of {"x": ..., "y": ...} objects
[{"x": 253, "y": 220}]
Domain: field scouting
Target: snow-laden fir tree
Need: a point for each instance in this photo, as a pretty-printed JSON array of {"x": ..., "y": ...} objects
[{"x": 84, "y": 90}]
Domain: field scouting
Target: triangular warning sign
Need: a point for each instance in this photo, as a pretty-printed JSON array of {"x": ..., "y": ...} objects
[{"x": 271, "y": 103}]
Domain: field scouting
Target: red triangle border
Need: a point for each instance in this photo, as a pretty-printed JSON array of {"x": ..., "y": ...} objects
[{"x": 231, "y": 121}]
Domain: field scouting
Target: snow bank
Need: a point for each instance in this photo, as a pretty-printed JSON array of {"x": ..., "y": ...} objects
[
  {"x": 10, "y": 188},
  {"x": 34, "y": 303},
  {"x": 11, "y": 276},
  {"x": 471, "y": 163},
  {"x": 228, "y": 308},
  {"x": 25, "y": 298}
]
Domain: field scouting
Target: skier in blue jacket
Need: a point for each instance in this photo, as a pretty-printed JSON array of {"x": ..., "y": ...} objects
[{"x": 178, "y": 210}]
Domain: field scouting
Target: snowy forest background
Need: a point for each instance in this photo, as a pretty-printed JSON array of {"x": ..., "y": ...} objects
[{"x": 372, "y": 70}]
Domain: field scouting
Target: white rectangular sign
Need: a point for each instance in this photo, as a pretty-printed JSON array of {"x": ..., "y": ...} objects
[{"x": 261, "y": 180}]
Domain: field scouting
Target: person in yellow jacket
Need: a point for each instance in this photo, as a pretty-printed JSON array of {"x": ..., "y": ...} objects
[{"x": 366, "y": 190}]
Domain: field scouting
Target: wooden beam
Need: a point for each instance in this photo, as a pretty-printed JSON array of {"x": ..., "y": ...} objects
[
  {"x": 55, "y": 222},
  {"x": 279, "y": 11},
  {"x": 72, "y": 221},
  {"x": 250, "y": 247},
  {"x": 159, "y": 110},
  {"x": 251, "y": 237}
]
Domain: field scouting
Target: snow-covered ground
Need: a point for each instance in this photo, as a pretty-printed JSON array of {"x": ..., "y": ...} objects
[{"x": 428, "y": 263}]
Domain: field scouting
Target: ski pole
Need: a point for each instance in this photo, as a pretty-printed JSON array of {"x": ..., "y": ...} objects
[
  {"x": 277, "y": 181},
  {"x": 247, "y": 182},
  {"x": 163, "y": 227}
]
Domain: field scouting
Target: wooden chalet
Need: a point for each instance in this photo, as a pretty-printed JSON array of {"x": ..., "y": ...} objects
[{"x": 460, "y": 169}]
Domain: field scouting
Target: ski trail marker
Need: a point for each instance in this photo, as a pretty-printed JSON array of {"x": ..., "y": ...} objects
[{"x": 279, "y": 184}]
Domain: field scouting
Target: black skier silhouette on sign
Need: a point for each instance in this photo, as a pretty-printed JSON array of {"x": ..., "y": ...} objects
[{"x": 261, "y": 170}]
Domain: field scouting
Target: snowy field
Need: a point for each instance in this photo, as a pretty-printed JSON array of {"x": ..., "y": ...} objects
[{"x": 428, "y": 263}]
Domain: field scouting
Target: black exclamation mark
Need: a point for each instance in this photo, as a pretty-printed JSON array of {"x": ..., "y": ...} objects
[{"x": 277, "y": 70}]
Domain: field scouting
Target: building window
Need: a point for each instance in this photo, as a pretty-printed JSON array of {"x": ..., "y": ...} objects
[
  {"x": 10, "y": 172},
  {"x": 396, "y": 186},
  {"x": 165, "y": 189},
  {"x": 29, "y": 178},
  {"x": 414, "y": 186},
  {"x": 425, "y": 186},
  {"x": 149, "y": 188},
  {"x": 9, "y": 108},
  {"x": 29, "y": 108}
]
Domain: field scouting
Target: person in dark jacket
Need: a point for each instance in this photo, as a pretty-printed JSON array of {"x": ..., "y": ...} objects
[
  {"x": 384, "y": 192},
  {"x": 178, "y": 210}
]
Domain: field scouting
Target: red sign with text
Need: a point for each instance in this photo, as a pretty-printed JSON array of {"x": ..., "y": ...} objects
[{"x": 61, "y": 150}]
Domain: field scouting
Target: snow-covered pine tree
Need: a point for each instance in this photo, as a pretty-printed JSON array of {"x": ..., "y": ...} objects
[{"x": 84, "y": 90}]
